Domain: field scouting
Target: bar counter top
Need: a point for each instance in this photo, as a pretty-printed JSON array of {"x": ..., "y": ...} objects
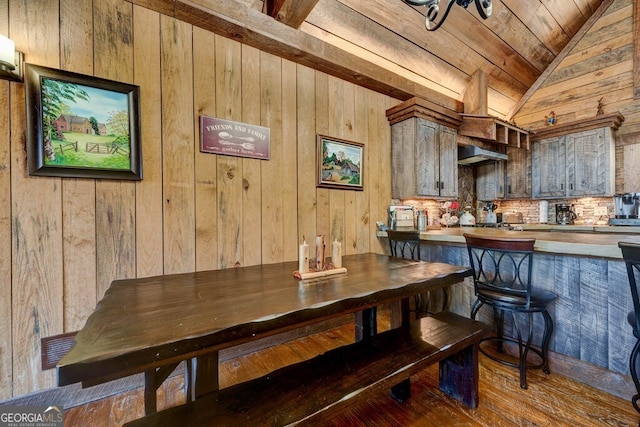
[{"x": 596, "y": 241}]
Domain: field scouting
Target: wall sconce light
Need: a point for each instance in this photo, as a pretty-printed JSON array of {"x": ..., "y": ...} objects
[{"x": 11, "y": 61}]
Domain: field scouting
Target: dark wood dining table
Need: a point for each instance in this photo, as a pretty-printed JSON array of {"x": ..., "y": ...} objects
[{"x": 152, "y": 324}]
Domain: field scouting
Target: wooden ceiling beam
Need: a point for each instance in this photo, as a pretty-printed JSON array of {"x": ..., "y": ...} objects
[
  {"x": 238, "y": 22},
  {"x": 290, "y": 12}
]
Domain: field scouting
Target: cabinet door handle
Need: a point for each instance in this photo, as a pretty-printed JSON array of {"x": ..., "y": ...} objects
[
  {"x": 442, "y": 185},
  {"x": 437, "y": 185},
  {"x": 561, "y": 186},
  {"x": 509, "y": 188},
  {"x": 571, "y": 186}
]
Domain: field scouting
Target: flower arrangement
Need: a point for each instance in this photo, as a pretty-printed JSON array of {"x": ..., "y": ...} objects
[{"x": 450, "y": 215}]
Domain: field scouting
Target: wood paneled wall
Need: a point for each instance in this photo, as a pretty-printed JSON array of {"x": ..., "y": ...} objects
[
  {"x": 599, "y": 67},
  {"x": 62, "y": 241}
]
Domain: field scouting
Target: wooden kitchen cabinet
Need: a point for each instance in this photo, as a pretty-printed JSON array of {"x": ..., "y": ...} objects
[
  {"x": 424, "y": 159},
  {"x": 518, "y": 174},
  {"x": 591, "y": 163},
  {"x": 574, "y": 165},
  {"x": 510, "y": 179},
  {"x": 424, "y": 151},
  {"x": 548, "y": 168},
  {"x": 490, "y": 179},
  {"x": 576, "y": 159}
]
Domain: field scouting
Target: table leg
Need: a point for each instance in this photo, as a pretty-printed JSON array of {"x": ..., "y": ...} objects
[
  {"x": 150, "y": 396},
  {"x": 400, "y": 314},
  {"x": 153, "y": 379},
  {"x": 366, "y": 323},
  {"x": 201, "y": 376}
]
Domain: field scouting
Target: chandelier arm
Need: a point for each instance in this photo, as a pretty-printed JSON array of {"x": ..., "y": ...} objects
[
  {"x": 484, "y": 8},
  {"x": 418, "y": 2},
  {"x": 444, "y": 17}
]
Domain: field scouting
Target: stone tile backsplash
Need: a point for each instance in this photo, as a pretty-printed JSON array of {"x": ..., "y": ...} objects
[{"x": 529, "y": 208}]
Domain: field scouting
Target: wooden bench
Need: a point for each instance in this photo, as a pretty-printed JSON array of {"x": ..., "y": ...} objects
[{"x": 312, "y": 391}]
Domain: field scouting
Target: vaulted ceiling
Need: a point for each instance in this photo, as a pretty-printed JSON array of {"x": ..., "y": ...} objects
[
  {"x": 513, "y": 47},
  {"x": 383, "y": 44}
]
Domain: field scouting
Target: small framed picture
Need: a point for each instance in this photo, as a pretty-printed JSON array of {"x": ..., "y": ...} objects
[
  {"x": 81, "y": 126},
  {"x": 339, "y": 163}
]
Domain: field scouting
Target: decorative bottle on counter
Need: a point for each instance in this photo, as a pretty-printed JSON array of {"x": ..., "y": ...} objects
[{"x": 422, "y": 221}]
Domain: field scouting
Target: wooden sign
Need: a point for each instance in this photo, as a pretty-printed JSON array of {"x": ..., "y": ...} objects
[{"x": 220, "y": 136}]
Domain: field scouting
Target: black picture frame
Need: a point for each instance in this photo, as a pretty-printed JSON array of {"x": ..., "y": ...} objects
[
  {"x": 67, "y": 133},
  {"x": 339, "y": 163}
]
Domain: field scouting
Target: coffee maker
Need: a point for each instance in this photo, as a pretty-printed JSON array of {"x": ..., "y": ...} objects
[
  {"x": 626, "y": 205},
  {"x": 565, "y": 214},
  {"x": 626, "y": 209}
]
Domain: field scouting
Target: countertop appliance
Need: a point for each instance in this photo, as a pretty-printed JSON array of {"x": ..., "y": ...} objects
[
  {"x": 512, "y": 218},
  {"x": 401, "y": 217},
  {"x": 626, "y": 205},
  {"x": 626, "y": 209},
  {"x": 565, "y": 214}
]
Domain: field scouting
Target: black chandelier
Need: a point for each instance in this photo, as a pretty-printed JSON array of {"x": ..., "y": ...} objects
[{"x": 433, "y": 9}]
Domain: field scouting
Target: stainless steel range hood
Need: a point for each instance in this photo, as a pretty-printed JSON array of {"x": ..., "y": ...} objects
[{"x": 470, "y": 154}]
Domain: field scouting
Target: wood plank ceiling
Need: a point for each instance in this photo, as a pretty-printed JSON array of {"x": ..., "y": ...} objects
[{"x": 513, "y": 47}]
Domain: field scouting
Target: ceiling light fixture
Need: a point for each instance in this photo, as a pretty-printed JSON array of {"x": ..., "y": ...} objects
[{"x": 433, "y": 9}]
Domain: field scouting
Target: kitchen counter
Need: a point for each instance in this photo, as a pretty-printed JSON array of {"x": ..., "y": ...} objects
[
  {"x": 581, "y": 228},
  {"x": 596, "y": 241},
  {"x": 584, "y": 267}
]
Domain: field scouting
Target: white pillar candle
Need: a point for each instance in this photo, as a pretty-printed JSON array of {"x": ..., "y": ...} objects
[
  {"x": 336, "y": 254},
  {"x": 320, "y": 251},
  {"x": 303, "y": 257}
]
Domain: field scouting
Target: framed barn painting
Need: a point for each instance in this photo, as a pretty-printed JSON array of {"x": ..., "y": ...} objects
[
  {"x": 80, "y": 126},
  {"x": 340, "y": 163}
]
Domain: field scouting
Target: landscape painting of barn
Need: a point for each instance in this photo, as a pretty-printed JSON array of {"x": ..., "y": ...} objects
[
  {"x": 339, "y": 163},
  {"x": 81, "y": 126}
]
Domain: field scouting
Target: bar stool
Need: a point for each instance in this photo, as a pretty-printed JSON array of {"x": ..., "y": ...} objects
[
  {"x": 502, "y": 279},
  {"x": 631, "y": 255},
  {"x": 406, "y": 244}
]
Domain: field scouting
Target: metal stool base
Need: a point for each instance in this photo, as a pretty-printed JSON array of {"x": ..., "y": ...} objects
[{"x": 544, "y": 365}]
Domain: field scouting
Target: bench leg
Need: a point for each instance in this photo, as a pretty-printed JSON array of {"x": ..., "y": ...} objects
[
  {"x": 366, "y": 323},
  {"x": 459, "y": 376},
  {"x": 402, "y": 391}
]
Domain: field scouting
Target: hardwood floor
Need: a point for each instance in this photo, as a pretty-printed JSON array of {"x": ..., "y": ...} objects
[{"x": 550, "y": 400}]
